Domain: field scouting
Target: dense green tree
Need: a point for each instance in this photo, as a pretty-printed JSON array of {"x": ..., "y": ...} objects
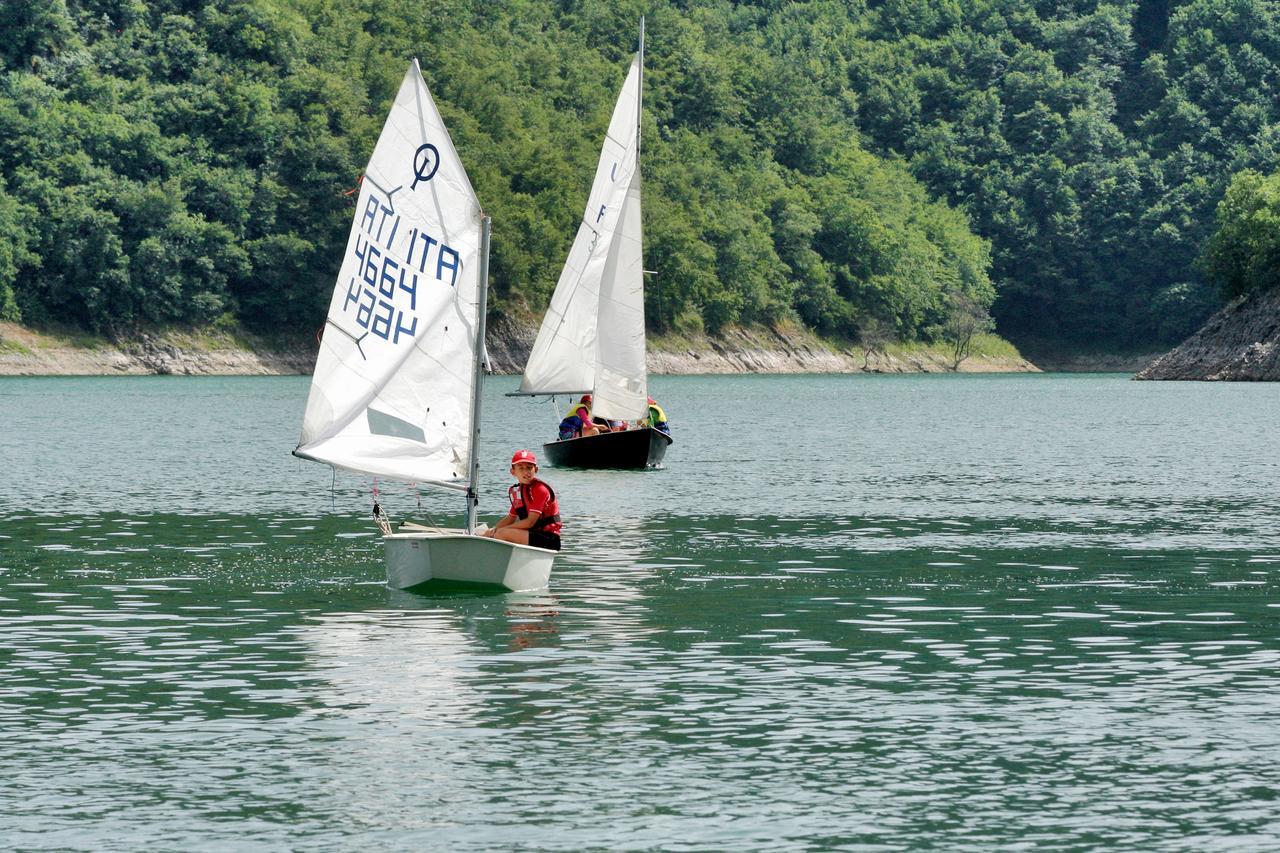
[
  {"x": 14, "y": 252},
  {"x": 858, "y": 167},
  {"x": 1089, "y": 141},
  {"x": 1243, "y": 255},
  {"x": 35, "y": 32}
]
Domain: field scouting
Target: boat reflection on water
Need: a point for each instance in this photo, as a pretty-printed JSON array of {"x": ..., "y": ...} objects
[
  {"x": 451, "y": 653},
  {"x": 533, "y": 620},
  {"x": 532, "y": 617},
  {"x": 394, "y": 663},
  {"x": 421, "y": 657}
]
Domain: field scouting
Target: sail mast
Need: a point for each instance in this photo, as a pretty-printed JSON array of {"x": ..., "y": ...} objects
[
  {"x": 640, "y": 90},
  {"x": 473, "y": 485}
]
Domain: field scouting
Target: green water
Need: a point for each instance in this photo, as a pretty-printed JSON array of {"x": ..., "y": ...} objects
[{"x": 961, "y": 612}]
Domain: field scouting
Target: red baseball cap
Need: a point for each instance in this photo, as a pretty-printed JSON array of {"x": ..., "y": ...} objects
[
  {"x": 586, "y": 398},
  {"x": 524, "y": 456}
]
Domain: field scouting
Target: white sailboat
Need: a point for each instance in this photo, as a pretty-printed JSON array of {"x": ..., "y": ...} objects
[
  {"x": 396, "y": 388},
  {"x": 592, "y": 338}
]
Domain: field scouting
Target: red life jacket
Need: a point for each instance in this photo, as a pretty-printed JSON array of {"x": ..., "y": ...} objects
[{"x": 549, "y": 520}]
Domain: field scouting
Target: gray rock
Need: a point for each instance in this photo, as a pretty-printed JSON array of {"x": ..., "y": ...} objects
[{"x": 1241, "y": 343}]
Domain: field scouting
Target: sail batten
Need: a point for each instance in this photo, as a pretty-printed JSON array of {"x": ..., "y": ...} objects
[
  {"x": 592, "y": 335},
  {"x": 393, "y": 391}
]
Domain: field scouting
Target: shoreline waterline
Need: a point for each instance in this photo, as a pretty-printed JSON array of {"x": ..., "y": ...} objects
[{"x": 210, "y": 352}]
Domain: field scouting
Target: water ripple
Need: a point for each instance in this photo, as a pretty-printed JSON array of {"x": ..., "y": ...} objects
[{"x": 1034, "y": 645}]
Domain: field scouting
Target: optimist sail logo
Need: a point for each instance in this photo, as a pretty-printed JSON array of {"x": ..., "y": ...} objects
[{"x": 426, "y": 160}]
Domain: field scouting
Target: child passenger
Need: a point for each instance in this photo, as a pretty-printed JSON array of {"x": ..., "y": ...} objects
[
  {"x": 578, "y": 421},
  {"x": 655, "y": 418},
  {"x": 534, "y": 518}
]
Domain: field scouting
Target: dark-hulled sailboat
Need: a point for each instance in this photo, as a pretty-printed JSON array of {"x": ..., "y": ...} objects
[{"x": 592, "y": 339}]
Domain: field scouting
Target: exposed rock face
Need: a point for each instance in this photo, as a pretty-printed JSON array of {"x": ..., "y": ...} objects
[
  {"x": 24, "y": 352},
  {"x": 1240, "y": 343},
  {"x": 758, "y": 350},
  {"x": 508, "y": 344},
  {"x": 765, "y": 350},
  {"x": 168, "y": 359}
]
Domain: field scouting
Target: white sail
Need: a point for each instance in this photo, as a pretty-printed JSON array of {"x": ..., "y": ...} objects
[
  {"x": 395, "y": 377},
  {"x": 592, "y": 337}
]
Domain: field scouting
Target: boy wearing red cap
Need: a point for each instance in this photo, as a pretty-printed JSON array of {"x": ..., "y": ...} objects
[{"x": 534, "y": 518}]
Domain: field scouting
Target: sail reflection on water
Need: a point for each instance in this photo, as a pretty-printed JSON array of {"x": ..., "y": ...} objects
[{"x": 394, "y": 664}]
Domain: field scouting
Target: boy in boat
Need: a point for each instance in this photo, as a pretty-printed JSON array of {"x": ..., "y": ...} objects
[
  {"x": 578, "y": 421},
  {"x": 534, "y": 518}
]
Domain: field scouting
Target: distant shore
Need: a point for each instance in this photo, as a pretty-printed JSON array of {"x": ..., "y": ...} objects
[
  {"x": 213, "y": 352},
  {"x": 1068, "y": 361}
]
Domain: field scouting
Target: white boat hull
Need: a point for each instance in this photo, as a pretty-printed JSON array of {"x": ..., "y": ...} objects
[{"x": 415, "y": 557}]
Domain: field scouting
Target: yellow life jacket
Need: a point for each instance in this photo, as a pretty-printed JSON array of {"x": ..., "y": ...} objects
[
  {"x": 656, "y": 415},
  {"x": 573, "y": 410}
]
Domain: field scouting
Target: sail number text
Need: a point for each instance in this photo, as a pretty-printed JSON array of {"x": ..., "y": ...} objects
[{"x": 387, "y": 274}]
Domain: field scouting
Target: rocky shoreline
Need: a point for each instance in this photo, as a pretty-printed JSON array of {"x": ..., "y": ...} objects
[
  {"x": 1241, "y": 343},
  {"x": 1053, "y": 360},
  {"x": 24, "y": 352},
  {"x": 758, "y": 350}
]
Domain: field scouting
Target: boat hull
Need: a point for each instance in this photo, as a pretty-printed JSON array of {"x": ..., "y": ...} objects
[
  {"x": 416, "y": 557},
  {"x": 633, "y": 448}
]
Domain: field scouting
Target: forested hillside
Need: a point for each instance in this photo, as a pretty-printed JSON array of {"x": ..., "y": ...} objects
[
  {"x": 1090, "y": 142},
  {"x": 867, "y": 168}
]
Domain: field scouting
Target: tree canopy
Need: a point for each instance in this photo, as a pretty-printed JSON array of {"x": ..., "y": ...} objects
[
  {"x": 1243, "y": 255},
  {"x": 853, "y": 166}
]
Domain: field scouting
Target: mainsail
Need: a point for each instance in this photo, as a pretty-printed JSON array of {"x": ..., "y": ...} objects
[
  {"x": 395, "y": 379},
  {"x": 592, "y": 336}
]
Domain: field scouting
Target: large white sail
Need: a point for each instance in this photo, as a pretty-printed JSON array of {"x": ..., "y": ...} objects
[
  {"x": 395, "y": 377},
  {"x": 592, "y": 337}
]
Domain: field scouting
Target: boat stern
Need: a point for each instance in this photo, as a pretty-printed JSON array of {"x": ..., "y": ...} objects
[{"x": 417, "y": 557}]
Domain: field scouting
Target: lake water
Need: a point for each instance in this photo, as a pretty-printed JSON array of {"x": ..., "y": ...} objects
[{"x": 953, "y": 612}]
